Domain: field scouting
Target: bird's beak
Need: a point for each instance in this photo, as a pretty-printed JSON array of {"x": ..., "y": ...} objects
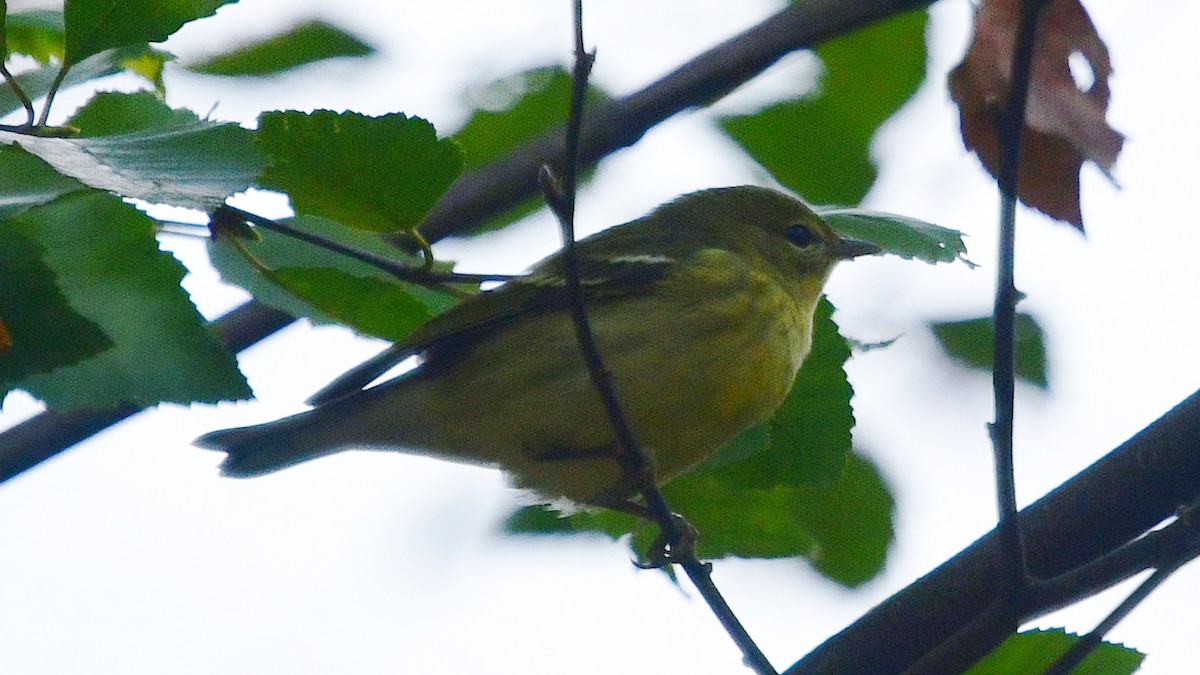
[{"x": 852, "y": 248}]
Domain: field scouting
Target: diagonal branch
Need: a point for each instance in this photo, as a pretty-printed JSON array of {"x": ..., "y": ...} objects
[
  {"x": 1124, "y": 494},
  {"x": 619, "y": 123}
]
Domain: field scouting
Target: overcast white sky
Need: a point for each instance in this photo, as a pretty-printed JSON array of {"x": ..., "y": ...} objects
[{"x": 129, "y": 554}]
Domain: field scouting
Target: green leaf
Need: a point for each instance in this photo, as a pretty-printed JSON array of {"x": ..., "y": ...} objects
[
  {"x": 844, "y": 528},
  {"x": 369, "y": 306},
  {"x": 38, "y": 34},
  {"x": 306, "y": 43},
  {"x": 971, "y": 340},
  {"x": 819, "y": 145},
  {"x": 111, "y": 113},
  {"x": 903, "y": 236},
  {"x": 1034, "y": 651},
  {"x": 41, "y": 331},
  {"x": 514, "y": 110},
  {"x": 511, "y": 111},
  {"x": 375, "y": 173},
  {"x": 36, "y": 83},
  {"x": 328, "y": 287},
  {"x": 186, "y": 162},
  {"x": 109, "y": 268},
  {"x": 93, "y": 26},
  {"x": 851, "y": 520}
]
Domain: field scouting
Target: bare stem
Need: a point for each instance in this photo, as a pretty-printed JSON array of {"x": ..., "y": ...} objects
[
  {"x": 30, "y": 114},
  {"x": 1010, "y": 126},
  {"x": 560, "y": 194},
  {"x": 54, "y": 87},
  {"x": 419, "y": 275},
  {"x": 1173, "y": 547}
]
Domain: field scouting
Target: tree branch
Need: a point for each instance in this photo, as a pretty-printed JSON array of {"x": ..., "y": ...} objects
[
  {"x": 619, "y": 123},
  {"x": 1109, "y": 504}
]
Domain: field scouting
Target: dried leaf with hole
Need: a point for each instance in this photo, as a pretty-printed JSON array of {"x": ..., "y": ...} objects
[{"x": 1065, "y": 123}]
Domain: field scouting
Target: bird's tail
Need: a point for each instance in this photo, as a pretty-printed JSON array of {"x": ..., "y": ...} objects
[{"x": 263, "y": 448}]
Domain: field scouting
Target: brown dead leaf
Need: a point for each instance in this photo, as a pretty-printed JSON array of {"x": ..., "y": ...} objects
[{"x": 1064, "y": 124}]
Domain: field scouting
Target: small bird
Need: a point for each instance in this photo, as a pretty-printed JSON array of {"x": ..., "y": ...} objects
[{"x": 702, "y": 312}]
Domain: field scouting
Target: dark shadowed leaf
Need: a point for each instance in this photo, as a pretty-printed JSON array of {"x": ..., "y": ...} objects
[
  {"x": 819, "y": 145},
  {"x": 306, "y": 43},
  {"x": 93, "y": 26},
  {"x": 108, "y": 266},
  {"x": 38, "y": 34},
  {"x": 41, "y": 330},
  {"x": 971, "y": 341}
]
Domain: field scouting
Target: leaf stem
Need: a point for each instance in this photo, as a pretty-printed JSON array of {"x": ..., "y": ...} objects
[
  {"x": 52, "y": 92},
  {"x": 30, "y": 113},
  {"x": 418, "y": 275}
]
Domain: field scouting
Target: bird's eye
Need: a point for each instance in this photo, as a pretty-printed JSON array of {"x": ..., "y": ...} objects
[{"x": 801, "y": 235}]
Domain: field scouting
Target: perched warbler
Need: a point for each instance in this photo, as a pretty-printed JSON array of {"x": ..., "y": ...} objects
[{"x": 702, "y": 312}]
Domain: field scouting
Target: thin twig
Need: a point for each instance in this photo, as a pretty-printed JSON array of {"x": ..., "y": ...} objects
[
  {"x": 1010, "y": 126},
  {"x": 1088, "y": 643},
  {"x": 52, "y": 92},
  {"x": 419, "y": 275},
  {"x": 1178, "y": 541},
  {"x": 632, "y": 458},
  {"x": 30, "y": 114},
  {"x": 1174, "y": 552},
  {"x": 1128, "y": 491}
]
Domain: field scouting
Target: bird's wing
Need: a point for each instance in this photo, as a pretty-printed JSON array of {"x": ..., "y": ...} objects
[{"x": 603, "y": 278}]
